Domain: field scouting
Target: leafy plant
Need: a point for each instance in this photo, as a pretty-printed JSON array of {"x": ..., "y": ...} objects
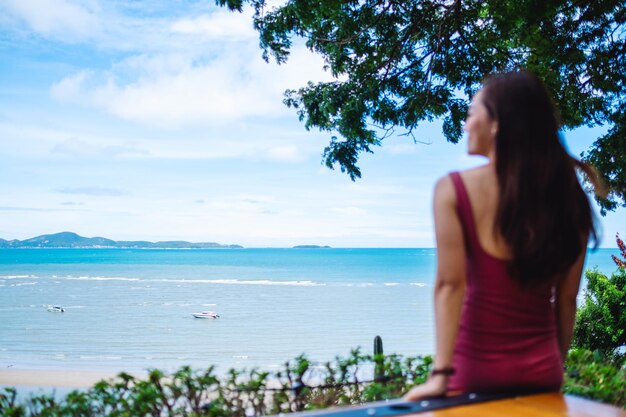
[
  {"x": 621, "y": 263},
  {"x": 591, "y": 375},
  {"x": 300, "y": 385},
  {"x": 596, "y": 366},
  {"x": 601, "y": 320}
]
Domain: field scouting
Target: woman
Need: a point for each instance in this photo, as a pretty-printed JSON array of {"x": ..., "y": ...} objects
[{"x": 511, "y": 242}]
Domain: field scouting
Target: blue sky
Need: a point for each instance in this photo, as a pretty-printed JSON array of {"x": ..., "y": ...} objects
[{"x": 159, "y": 120}]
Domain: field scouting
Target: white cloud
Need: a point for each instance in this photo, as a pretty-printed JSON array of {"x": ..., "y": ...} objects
[
  {"x": 219, "y": 25},
  {"x": 286, "y": 153},
  {"x": 407, "y": 148},
  {"x": 349, "y": 211},
  {"x": 147, "y": 65},
  {"x": 174, "y": 90},
  {"x": 80, "y": 148},
  {"x": 194, "y": 70},
  {"x": 61, "y": 19},
  {"x": 93, "y": 138},
  {"x": 92, "y": 191},
  {"x": 238, "y": 204},
  {"x": 197, "y": 95},
  {"x": 386, "y": 189},
  {"x": 70, "y": 88},
  {"x": 121, "y": 26},
  {"x": 191, "y": 95}
]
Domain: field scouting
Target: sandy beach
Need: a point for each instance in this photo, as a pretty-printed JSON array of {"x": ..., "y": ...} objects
[{"x": 11, "y": 377}]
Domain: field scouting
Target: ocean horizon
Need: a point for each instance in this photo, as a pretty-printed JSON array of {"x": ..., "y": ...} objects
[{"x": 131, "y": 309}]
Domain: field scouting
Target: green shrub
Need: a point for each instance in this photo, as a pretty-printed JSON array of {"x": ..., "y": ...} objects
[
  {"x": 591, "y": 375},
  {"x": 601, "y": 320},
  {"x": 298, "y": 386},
  {"x": 596, "y": 364}
]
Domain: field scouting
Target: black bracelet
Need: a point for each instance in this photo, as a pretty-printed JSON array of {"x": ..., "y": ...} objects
[{"x": 443, "y": 371}]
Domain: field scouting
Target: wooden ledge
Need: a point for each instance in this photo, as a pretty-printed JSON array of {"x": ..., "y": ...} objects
[
  {"x": 551, "y": 404},
  {"x": 538, "y": 405}
]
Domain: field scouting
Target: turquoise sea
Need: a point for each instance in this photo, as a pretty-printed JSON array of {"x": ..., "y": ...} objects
[{"x": 131, "y": 309}]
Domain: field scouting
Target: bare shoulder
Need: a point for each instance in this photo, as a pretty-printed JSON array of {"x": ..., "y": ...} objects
[
  {"x": 477, "y": 173},
  {"x": 480, "y": 181},
  {"x": 444, "y": 190}
]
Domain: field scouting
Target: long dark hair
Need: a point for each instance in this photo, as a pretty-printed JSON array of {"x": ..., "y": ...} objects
[{"x": 543, "y": 212}]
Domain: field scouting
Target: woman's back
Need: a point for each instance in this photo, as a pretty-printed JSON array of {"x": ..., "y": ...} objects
[
  {"x": 507, "y": 334},
  {"x": 482, "y": 189}
]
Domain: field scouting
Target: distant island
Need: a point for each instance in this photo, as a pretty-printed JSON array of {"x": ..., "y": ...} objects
[
  {"x": 311, "y": 247},
  {"x": 72, "y": 240}
]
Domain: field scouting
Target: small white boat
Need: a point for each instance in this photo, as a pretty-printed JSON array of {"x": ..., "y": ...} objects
[
  {"x": 206, "y": 315},
  {"x": 56, "y": 309}
]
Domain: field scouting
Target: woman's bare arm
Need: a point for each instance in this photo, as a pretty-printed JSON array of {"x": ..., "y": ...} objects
[
  {"x": 566, "y": 293},
  {"x": 449, "y": 286}
]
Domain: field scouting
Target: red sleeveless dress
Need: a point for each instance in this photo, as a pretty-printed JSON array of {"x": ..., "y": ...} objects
[{"x": 507, "y": 338}]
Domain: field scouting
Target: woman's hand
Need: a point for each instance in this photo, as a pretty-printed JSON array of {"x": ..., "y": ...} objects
[{"x": 435, "y": 386}]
